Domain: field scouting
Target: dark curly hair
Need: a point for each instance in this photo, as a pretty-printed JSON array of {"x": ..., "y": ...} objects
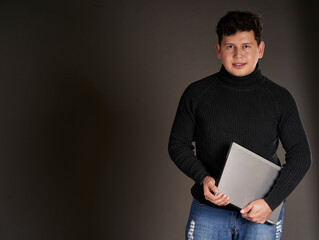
[{"x": 235, "y": 21}]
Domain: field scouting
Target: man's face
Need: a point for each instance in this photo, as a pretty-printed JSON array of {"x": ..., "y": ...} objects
[{"x": 240, "y": 52}]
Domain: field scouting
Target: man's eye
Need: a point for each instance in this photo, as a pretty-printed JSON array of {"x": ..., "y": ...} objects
[
  {"x": 246, "y": 46},
  {"x": 229, "y": 46}
]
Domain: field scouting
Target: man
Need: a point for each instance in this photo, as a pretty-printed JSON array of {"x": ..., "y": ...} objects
[{"x": 237, "y": 104}]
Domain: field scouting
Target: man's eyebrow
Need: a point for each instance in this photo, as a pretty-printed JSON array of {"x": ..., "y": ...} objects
[{"x": 229, "y": 43}]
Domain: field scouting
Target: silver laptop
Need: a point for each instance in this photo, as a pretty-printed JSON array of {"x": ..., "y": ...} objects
[{"x": 247, "y": 177}]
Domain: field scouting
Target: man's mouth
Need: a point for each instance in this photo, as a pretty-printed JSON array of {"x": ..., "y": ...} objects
[{"x": 239, "y": 65}]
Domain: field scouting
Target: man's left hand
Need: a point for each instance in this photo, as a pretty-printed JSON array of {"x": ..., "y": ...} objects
[{"x": 257, "y": 211}]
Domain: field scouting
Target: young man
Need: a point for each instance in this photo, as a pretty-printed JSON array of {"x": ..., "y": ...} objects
[{"x": 237, "y": 104}]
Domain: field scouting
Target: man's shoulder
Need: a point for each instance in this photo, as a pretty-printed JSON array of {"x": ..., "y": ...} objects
[
  {"x": 202, "y": 85},
  {"x": 280, "y": 94},
  {"x": 198, "y": 90},
  {"x": 273, "y": 85}
]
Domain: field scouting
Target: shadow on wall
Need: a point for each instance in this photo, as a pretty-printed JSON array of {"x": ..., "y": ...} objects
[
  {"x": 77, "y": 150},
  {"x": 308, "y": 16},
  {"x": 309, "y": 23}
]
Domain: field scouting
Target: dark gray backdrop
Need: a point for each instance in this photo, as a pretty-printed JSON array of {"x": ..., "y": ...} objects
[{"x": 89, "y": 90}]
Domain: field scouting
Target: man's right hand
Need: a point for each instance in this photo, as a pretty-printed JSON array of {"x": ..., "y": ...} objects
[{"x": 209, "y": 190}]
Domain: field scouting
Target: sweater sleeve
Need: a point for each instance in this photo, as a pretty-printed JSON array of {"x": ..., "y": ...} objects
[
  {"x": 180, "y": 147},
  {"x": 297, "y": 156}
]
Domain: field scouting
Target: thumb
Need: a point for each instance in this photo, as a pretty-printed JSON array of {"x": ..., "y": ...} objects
[
  {"x": 209, "y": 184},
  {"x": 214, "y": 189},
  {"x": 247, "y": 208}
]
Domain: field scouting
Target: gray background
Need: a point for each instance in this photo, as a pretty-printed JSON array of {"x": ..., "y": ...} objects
[{"x": 89, "y": 90}]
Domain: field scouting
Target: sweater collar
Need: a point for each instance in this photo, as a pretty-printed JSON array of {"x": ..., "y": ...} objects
[{"x": 249, "y": 81}]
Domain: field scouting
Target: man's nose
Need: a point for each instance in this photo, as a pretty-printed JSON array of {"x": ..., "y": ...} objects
[{"x": 239, "y": 52}]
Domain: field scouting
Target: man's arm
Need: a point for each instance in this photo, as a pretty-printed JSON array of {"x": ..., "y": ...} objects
[
  {"x": 180, "y": 147},
  {"x": 298, "y": 156},
  {"x": 298, "y": 161}
]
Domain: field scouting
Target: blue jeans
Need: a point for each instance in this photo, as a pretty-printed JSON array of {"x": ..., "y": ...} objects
[{"x": 209, "y": 223}]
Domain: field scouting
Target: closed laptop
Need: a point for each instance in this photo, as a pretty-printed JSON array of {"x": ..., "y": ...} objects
[{"x": 247, "y": 177}]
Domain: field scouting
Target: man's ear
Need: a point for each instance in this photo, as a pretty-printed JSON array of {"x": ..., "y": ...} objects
[
  {"x": 218, "y": 50},
  {"x": 261, "y": 49}
]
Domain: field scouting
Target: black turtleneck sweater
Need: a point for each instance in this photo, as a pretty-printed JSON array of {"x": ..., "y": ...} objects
[{"x": 252, "y": 111}]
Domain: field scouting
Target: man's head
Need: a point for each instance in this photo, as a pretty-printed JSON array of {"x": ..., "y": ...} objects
[
  {"x": 235, "y": 21},
  {"x": 239, "y": 44}
]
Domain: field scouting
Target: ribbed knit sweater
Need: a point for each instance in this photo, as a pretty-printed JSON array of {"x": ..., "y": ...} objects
[{"x": 252, "y": 111}]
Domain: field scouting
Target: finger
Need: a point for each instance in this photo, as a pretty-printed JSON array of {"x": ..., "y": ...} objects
[
  {"x": 211, "y": 190},
  {"x": 246, "y": 209},
  {"x": 248, "y": 217},
  {"x": 207, "y": 192},
  {"x": 221, "y": 200},
  {"x": 254, "y": 218},
  {"x": 223, "y": 203},
  {"x": 214, "y": 189},
  {"x": 210, "y": 196},
  {"x": 245, "y": 215}
]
